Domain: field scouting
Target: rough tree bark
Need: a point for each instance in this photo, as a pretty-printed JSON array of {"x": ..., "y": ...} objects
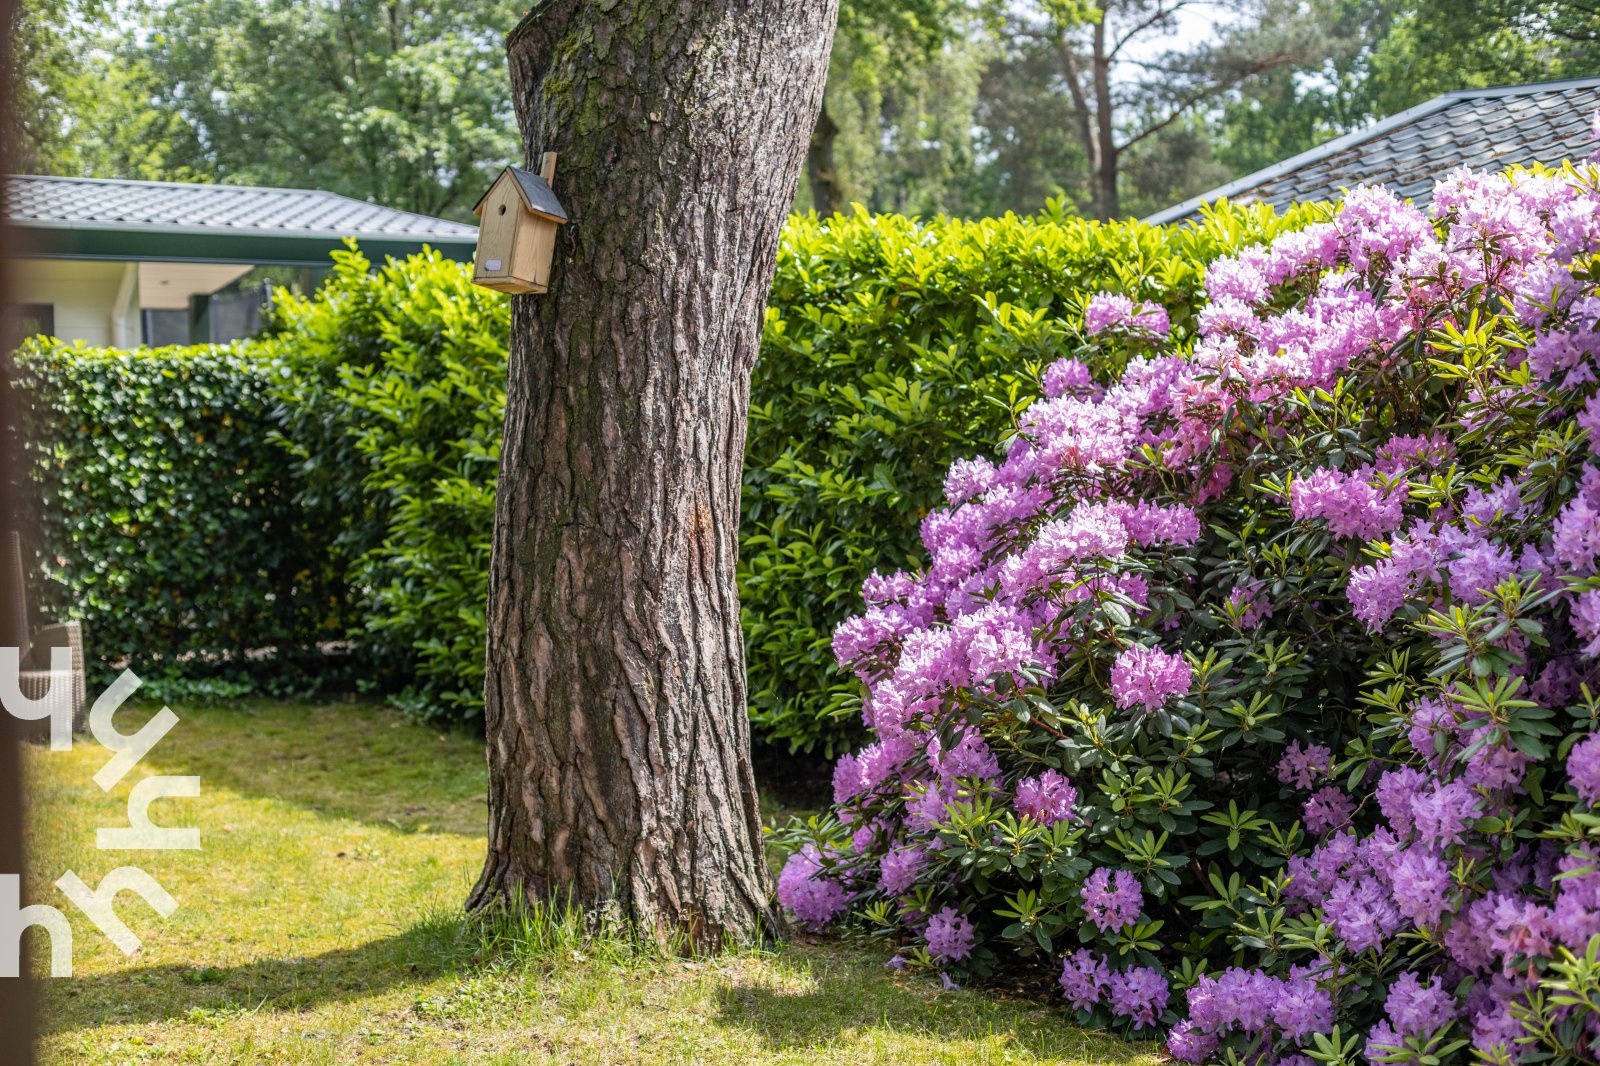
[{"x": 615, "y": 701}]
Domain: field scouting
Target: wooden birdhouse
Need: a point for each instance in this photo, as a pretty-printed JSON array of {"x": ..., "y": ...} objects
[{"x": 517, "y": 224}]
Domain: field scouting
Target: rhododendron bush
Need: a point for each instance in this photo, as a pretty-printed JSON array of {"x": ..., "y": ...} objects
[{"x": 1249, "y": 692}]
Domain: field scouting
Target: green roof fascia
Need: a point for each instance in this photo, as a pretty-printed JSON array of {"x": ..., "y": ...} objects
[{"x": 169, "y": 246}]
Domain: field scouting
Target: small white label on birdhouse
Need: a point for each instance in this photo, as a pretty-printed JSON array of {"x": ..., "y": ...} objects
[{"x": 493, "y": 264}]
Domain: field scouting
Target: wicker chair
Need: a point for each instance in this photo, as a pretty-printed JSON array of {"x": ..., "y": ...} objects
[{"x": 37, "y": 679}]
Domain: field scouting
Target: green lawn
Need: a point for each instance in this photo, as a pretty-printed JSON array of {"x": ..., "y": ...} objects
[{"x": 321, "y": 923}]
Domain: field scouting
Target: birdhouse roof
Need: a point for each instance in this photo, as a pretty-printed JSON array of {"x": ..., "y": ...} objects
[{"x": 536, "y": 194}]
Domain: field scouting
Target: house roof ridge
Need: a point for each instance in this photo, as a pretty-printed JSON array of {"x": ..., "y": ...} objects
[
  {"x": 1377, "y": 132},
  {"x": 197, "y": 205}
]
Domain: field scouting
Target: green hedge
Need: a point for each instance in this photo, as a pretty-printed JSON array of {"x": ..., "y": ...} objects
[
  {"x": 890, "y": 345},
  {"x": 165, "y": 510},
  {"x": 394, "y": 415},
  {"x": 369, "y": 421}
]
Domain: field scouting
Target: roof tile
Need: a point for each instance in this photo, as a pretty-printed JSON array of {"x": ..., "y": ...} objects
[
  {"x": 159, "y": 205},
  {"x": 1408, "y": 152}
]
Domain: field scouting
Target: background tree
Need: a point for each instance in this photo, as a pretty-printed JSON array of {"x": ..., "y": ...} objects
[
  {"x": 889, "y": 70},
  {"x": 1436, "y": 46},
  {"x": 403, "y": 103},
  {"x": 1285, "y": 111},
  {"x": 958, "y": 106},
  {"x": 1121, "y": 89},
  {"x": 50, "y": 88},
  {"x": 619, "y": 749},
  {"x": 1029, "y": 155}
]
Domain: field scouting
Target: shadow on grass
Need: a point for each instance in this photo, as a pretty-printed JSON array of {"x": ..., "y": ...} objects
[
  {"x": 360, "y": 761},
  {"x": 427, "y": 950},
  {"x": 849, "y": 997}
]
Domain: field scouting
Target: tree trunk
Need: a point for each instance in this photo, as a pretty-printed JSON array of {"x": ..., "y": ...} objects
[
  {"x": 619, "y": 750},
  {"x": 1082, "y": 117},
  {"x": 1107, "y": 204},
  {"x": 821, "y": 171}
]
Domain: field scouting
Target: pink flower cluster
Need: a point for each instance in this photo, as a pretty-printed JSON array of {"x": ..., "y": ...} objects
[
  {"x": 1138, "y": 993},
  {"x": 950, "y": 937},
  {"x": 1350, "y": 503},
  {"x": 1251, "y": 1002},
  {"x": 1148, "y": 677},
  {"x": 1106, "y": 310},
  {"x": 1047, "y": 798},
  {"x": 1112, "y": 900},
  {"x": 1066, "y": 554}
]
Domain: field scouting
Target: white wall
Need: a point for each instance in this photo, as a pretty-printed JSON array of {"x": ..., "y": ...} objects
[{"x": 95, "y": 302}]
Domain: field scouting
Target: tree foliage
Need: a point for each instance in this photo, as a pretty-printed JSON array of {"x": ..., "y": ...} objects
[
  {"x": 966, "y": 107},
  {"x": 403, "y": 103}
]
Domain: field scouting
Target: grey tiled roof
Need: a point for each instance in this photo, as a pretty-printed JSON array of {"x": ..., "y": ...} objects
[
  {"x": 1480, "y": 128},
  {"x": 173, "y": 207}
]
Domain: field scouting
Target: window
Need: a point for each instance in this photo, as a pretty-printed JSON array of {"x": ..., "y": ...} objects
[
  {"x": 164, "y": 327},
  {"x": 22, "y": 321}
]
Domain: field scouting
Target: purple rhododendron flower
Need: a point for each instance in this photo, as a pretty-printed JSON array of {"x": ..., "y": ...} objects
[
  {"x": 927, "y": 811},
  {"x": 1417, "y": 1009},
  {"x": 1112, "y": 900},
  {"x": 1328, "y": 809},
  {"x": 1139, "y": 994},
  {"x": 1586, "y": 621},
  {"x": 1148, "y": 677},
  {"x": 1065, "y": 376},
  {"x": 1084, "y": 978},
  {"x": 1252, "y": 604},
  {"x": 1047, "y": 798},
  {"x": 1303, "y": 766},
  {"x": 970, "y": 757},
  {"x": 1106, "y": 310},
  {"x": 949, "y": 935},
  {"x": 1235, "y": 998},
  {"x": 1350, "y": 505},
  {"x": 1421, "y": 881},
  {"x": 1186, "y": 1043},
  {"x": 1302, "y": 1007},
  {"x": 1583, "y": 767},
  {"x": 899, "y": 867},
  {"x": 803, "y": 888},
  {"x": 1443, "y": 813},
  {"x": 1361, "y": 910}
]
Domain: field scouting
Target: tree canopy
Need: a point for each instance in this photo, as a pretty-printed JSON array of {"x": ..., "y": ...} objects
[
  {"x": 405, "y": 103},
  {"x": 968, "y": 107}
]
